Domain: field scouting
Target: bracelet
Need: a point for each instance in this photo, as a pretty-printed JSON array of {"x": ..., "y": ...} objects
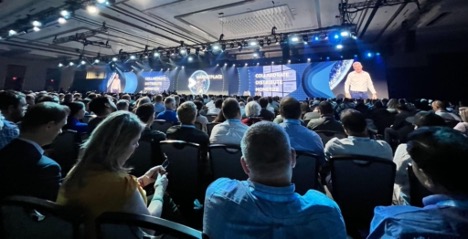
[{"x": 158, "y": 199}]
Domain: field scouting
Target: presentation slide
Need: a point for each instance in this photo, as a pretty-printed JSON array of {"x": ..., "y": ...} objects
[{"x": 324, "y": 79}]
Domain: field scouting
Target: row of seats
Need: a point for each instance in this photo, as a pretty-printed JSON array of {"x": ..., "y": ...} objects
[{"x": 27, "y": 217}]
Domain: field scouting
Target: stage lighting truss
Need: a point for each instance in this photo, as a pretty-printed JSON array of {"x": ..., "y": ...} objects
[{"x": 48, "y": 17}]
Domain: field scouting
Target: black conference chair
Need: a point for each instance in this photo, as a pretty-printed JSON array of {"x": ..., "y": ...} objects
[
  {"x": 326, "y": 135},
  {"x": 142, "y": 159},
  {"x": 359, "y": 184},
  {"x": 417, "y": 191},
  {"x": 161, "y": 125},
  {"x": 305, "y": 174},
  {"x": 210, "y": 126},
  {"x": 116, "y": 225},
  {"x": 184, "y": 170},
  {"x": 225, "y": 161},
  {"x": 29, "y": 217},
  {"x": 64, "y": 150}
]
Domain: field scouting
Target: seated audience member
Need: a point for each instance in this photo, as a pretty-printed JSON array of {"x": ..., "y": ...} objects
[
  {"x": 12, "y": 108},
  {"x": 358, "y": 141},
  {"x": 400, "y": 128},
  {"x": 265, "y": 205},
  {"x": 312, "y": 112},
  {"x": 169, "y": 114},
  {"x": 77, "y": 113},
  {"x": 123, "y": 105},
  {"x": 216, "y": 109},
  {"x": 158, "y": 104},
  {"x": 102, "y": 106},
  {"x": 24, "y": 170},
  {"x": 265, "y": 114},
  {"x": 440, "y": 109},
  {"x": 327, "y": 119},
  {"x": 439, "y": 157},
  {"x": 252, "y": 113},
  {"x": 200, "y": 118},
  {"x": 463, "y": 126},
  {"x": 187, "y": 113},
  {"x": 219, "y": 118},
  {"x": 99, "y": 182},
  {"x": 232, "y": 130},
  {"x": 402, "y": 157},
  {"x": 301, "y": 138},
  {"x": 146, "y": 114},
  {"x": 47, "y": 98}
]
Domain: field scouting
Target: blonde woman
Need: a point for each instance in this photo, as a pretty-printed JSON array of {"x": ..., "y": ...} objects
[{"x": 99, "y": 182}]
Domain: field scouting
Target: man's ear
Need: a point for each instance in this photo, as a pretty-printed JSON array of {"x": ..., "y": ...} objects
[
  {"x": 245, "y": 166},
  {"x": 293, "y": 158}
]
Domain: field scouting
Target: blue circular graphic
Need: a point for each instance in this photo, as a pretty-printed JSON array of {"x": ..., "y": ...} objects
[{"x": 199, "y": 82}]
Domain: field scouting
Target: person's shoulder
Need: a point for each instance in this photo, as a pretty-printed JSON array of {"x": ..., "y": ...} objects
[
  {"x": 172, "y": 130},
  {"x": 319, "y": 202},
  {"x": 223, "y": 186}
]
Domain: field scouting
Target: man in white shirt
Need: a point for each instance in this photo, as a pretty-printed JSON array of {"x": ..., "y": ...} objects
[
  {"x": 359, "y": 81},
  {"x": 232, "y": 130}
]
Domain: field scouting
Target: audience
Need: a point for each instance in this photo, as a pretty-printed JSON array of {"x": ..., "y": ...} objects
[
  {"x": 265, "y": 113},
  {"x": 169, "y": 113},
  {"x": 402, "y": 158},
  {"x": 463, "y": 126},
  {"x": 439, "y": 157},
  {"x": 99, "y": 182},
  {"x": 102, "y": 106},
  {"x": 301, "y": 138},
  {"x": 232, "y": 130},
  {"x": 146, "y": 114},
  {"x": 24, "y": 169},
  {"x": 202, "y": 120},
  {"x": 327, "y": 119},
  {"x": 123, "y": 105},
  {"x": 265, "y": 205},
  {"x": 13, "y": 106},
  {"x": 158, "y": 104},
  {"x": 252, "y": 113},
  {"x": 77, "y": 113}
]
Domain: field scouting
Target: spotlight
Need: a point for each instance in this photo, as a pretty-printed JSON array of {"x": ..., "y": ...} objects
[
  {"x": 294, "y": 39},
  {"x": 36, "y": 23},
  {"x": 258, "y": 63},
  {"x": 65, "y": 13},
  {"x": 217, "y": 64},
  {"x": 345, "y": 33},
  {"x": 36, "y": 29},
  {"x": 253, "y": 43},
  {"x": 97, "y": 61},
  {"x": 60, "y": 65},
  {"x": 225, "y": 64},
  {"x": 132, "y": 57},
  {"x": 183, "y": 67},
  {"x": 272, "y": 62},
  {"x": 190, "y": 59},
  {"x": 336, "y": 36},
  {"x": 255, "y": 55},
  {"x": 289, "y": 61},
  {"x": 355, "y": 56},
  {"x": 306, "y": 43},
  {"x": 114, "y": 59},
  {"x": 156, "y": 54},
  {"x": 377, "y": 54},
  {"x": 12, "y": 32},
  {"x": 183, "y": 51},
  {"x": 369, "y": 54},
  {"x": 92, "y": 9},
  {"x": 62, "y": 20},
  {"x": 216, "y": 48},
  {"x": 246, "y": 64},
  {"x": 316, "y": 38},
  {"x": 100, "y": 1},
  {"x": 71, "y": 63},
  {"x": 339, "y": 46},
  {"x": 308, "y": 59},
  {"x": 83, "y": 62}
]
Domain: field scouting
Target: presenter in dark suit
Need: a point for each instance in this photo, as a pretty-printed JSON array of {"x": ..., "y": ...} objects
[{"x": 24, "y": 170}]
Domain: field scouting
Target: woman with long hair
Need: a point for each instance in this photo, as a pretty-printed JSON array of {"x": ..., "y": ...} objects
[{"x": 100, "y": 182}]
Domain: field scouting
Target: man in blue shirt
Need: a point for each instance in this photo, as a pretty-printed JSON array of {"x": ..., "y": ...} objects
[
  {"x": 265, "y": 205},
  {"x": 12, "y": 107},
  {"x": 169, "y": 114},
  {"x": 439, "y": 157},
  {"x": 301, "y": 138}
]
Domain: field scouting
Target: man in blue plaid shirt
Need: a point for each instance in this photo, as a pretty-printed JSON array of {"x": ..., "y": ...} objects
[{"x": 12, "y": 106}]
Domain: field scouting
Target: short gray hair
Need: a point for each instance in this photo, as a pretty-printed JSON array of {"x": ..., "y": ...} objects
[
  {"x": 266, "y": 149},
  {"x": 252, "y": 109}
]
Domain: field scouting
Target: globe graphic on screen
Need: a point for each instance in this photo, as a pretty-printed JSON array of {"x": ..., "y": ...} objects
[
  {"x": 339, "y": 72},
  {"x": 199, "y": 82}
]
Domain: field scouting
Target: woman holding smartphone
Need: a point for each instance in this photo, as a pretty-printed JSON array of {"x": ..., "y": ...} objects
[{"x": 99, "y": 182}]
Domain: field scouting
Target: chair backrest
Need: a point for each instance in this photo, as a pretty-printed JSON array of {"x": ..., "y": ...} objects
[
  {"x": 326, "y": 135},
  {"x": 210, "y": 126},
  {"x": 199, "y": 125},
  {"x": 161, "y": 125},
  {"x": 29, "y": 217},
  {"x": 305, "y": 174},
  {"x": 225, "y": 161},
  {"x": 183, "y": 168},
  {"x": 359, "y": 184},
  {"x": 114, "y": 225},
  {"x": 142, "y": 159},
  {"x": 65, "y": 149},
  {"x": 417, "y": 191}
]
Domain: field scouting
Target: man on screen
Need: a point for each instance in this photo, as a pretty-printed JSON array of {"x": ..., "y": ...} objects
[{"x": 359, "y": 81}]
